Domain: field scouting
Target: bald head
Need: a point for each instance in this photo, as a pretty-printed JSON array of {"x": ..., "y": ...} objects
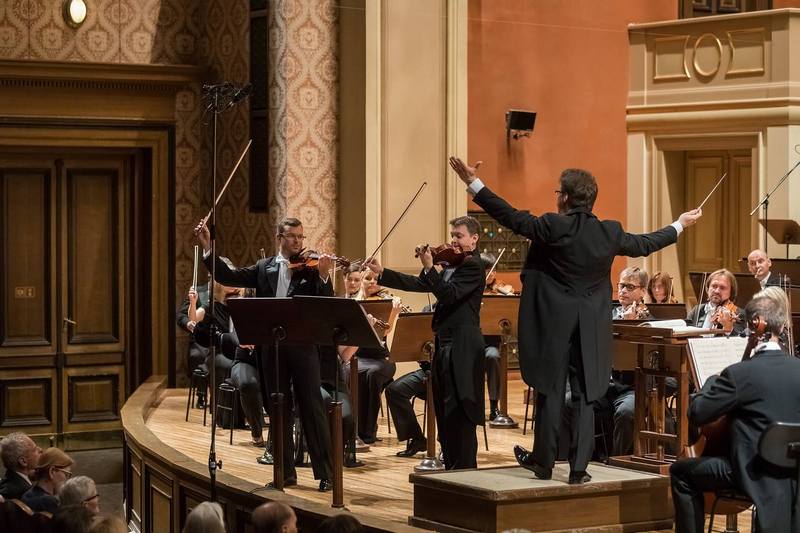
[
  {"x": 758, "y": 263},
  {"x": 274, "y": 517}
]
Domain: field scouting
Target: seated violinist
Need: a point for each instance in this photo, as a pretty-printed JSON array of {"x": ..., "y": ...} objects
[
  {"x": 660, "y": 289},
  {"x": 720, "y": 311},
  {"x": 631, "y": 291},
  {"x": 753, "y": 394}
]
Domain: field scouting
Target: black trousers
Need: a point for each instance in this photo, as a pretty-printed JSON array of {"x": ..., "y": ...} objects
[
  {"x": 373, "y": 375},
  {"x": 398, "y": 397},
  {"x": 690, "y": 478},
  {"x": 347, "y": 409},
  {"x": 244, "y": 377},
  {"x": 549, "y": 415},
  {"x": 299, "y": 367},
  {"x": 196, "y": 356},
  {"x": 493, "y": 372},
  {"x": 456, "y": 430}
]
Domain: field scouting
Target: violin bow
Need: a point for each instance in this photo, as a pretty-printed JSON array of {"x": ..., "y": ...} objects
[
  {"x": 383, "y": 241},
  {"x": 712, "y": 191},
  {"x": 495, "y": 263},
  {"x": 196, "y": 264},
  {"x": 700, "y": 305},
  {"x": 235, "y": 168}
]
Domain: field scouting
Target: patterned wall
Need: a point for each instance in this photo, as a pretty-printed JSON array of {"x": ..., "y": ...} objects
[{"x": 303, "y": 86}]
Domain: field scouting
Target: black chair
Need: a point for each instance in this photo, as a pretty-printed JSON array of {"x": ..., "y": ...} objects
[
  {"x": 199, "y": 378},
  {"x": 780, "y": 445},
  {"x": 227, "y": 400},
  {"x": 530, "y": 404}
]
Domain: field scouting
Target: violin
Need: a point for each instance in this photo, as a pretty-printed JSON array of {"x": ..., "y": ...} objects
[
  {"x": 448, "y": 255},
  {"x": 725, "y": 316},
  {"x": 640, "y": 310},
  {"x": 310, "y": 259}
]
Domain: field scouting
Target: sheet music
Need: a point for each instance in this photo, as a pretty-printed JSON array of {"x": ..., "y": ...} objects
[
  {"x": 712, "y": 355},
  {"x": 677, "y": 325}
]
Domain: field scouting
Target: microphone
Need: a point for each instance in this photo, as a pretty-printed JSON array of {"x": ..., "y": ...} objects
[{"x": 241, "y": 94}]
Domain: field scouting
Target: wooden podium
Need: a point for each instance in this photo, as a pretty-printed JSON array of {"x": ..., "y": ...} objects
[
  {"x": 660, "y": 354},
  {"x": 499, "y": 317}
]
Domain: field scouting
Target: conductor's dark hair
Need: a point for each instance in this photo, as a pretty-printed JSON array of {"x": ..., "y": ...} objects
[
  {"x": 580, "y": 187},
  {"x": 288, "y": 222},
  {"x": 472, "y": 224}
]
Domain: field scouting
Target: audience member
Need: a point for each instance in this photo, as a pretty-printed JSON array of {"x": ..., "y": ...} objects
[
  {"x": 340, "y": 523},
  {"x": 274, "y": 517},
  {"x": 53, "y": 470},
  {"x": 205, "y": 518},
  {"x": 72, "y": 519},
  {"x": 20, "y": 456},
  {"x": 80, "y": 490}
]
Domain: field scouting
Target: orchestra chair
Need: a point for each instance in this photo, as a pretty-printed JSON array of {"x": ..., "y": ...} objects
[
  {"x": 227, "y": 400},
  {"x": 530, "y": 403},
  {"x": 198, "y": 378}
]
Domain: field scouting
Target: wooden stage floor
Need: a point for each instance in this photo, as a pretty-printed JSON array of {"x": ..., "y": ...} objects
[{"x": 380, "y": 488}]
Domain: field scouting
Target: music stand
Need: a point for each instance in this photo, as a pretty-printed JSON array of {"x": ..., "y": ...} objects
[
  {"x": 413, "y": 341},
  {"x": 499, "y": 315},
  {"x": 667, "y": 311},
  {"x": 784, "y": 231},
  {"x": 286, "y": 320}
]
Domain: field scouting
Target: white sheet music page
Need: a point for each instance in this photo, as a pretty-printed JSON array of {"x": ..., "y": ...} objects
[{"x": 711, "y": 355}]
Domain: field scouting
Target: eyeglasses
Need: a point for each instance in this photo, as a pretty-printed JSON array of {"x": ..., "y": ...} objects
[
  {"x": 628, "y": 286},
  {"x": 293, "y": 236},
  {"x": 64, "y": 471}
]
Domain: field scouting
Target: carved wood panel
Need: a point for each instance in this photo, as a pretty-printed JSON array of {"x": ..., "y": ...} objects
[
  {"x": 703, "y": 8},
  {"x": 93, "y": 398},
  {"x": 27, "y": 401},
  {"x": 158, "y": 491}
]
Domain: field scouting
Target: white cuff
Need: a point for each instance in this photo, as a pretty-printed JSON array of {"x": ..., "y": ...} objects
[
  {"x": 206, "y": 253},
  {"x": 475, "y": 186},
  {"x": 678, "y": 227}
]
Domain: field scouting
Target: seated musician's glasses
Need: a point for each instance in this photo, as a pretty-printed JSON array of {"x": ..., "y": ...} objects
[{"x": 627, "y": 286}]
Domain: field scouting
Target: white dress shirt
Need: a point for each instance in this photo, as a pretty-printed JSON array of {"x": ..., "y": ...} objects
[{"x": 284, "y": 276}]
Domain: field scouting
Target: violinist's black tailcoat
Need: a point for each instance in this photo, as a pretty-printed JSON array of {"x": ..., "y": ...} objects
[{"x": 459, "y": 361}]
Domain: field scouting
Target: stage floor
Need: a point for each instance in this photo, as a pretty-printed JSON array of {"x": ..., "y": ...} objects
[{"x": 380, "y": 488}]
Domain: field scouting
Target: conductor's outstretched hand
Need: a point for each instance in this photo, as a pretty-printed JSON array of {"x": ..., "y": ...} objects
[
  {"x": 689, "y": 218},
  {"x": 464, "y": 171}
]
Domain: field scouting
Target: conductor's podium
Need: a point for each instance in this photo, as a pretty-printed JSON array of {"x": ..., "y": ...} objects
[{"x": 499, "y": 499}]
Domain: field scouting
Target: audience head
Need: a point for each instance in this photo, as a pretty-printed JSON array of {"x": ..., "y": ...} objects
[
  {"x": 205, "y": 518},
  {"x": 53, "y": 470},
  {"x": 632, "y": 285},
  {"x": 72, "y": 519},
  {"x": 771, "y": 305},
  {"x": 108, "y": 524},
  {"x": 19, "y": 453},
  {"x": 721, "y": 286},
  {"x": 758, "y": 263},
  {"x": 465, "y": 232},
  {"x": 577, "y": 188},
  {"x": 80, "y": 490},
  {"x": 290, "y": 236},
  {"x": 274, "y": 517},
  {"x": 340, "y": 523},
  {"x": 660, "y": 288}
]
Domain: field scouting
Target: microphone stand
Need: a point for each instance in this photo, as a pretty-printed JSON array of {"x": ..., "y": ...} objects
[
  {"x": 765, "y": 203},
  {"x": 222, "y": 96}
]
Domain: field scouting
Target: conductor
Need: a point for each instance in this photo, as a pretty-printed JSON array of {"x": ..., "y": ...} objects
[{"x": 567, "y": 275}]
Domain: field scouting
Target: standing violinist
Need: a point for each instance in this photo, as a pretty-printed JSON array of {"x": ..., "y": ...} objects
[
  {"x": 565, "y": 310},
  {"x": 458, "y": 362},
  {"x": 299, "y": 364},
  {"x": 753, "y": 394},
  {"x": 720, "y": 310}
]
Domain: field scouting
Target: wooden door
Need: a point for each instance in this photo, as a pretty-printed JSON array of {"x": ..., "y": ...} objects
[
  {"x": 63, "y": 334},
  {"x": 727, "y": 231}
]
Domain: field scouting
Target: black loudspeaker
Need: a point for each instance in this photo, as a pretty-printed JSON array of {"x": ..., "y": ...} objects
[{"x": 519, "y": 122}]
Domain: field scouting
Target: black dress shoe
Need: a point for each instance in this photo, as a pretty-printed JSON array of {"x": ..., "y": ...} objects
[
  {"x": 413, "y": 447},
  {"x": 493, "y": 413},
  {"x": 526, "y": 461},
  {"x": 201, "y": 401},
  {"x": 266, "y": 458},
  {"x": 579, "y": 478},
  {"x": 325, "y": 485}
]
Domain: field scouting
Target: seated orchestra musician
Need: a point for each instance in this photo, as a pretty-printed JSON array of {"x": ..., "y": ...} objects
[
  {"x": 753, "y": 394},
  {"x": 375, "y": 370},
  {"x": 329, "y": 365},
  {"x": 759, "y": 264},
  {"x": 195, "y": 354},
  {"x": 459, "y": 358},
  {"x": 720, "y": 310},
  {"x": 660, "y": 289},
  {"x": 399, "y": 394},
  {"x": 281, "y": 276}
]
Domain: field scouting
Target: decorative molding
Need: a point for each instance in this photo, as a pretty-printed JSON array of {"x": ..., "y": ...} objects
[
  {"x": 744, "y": 70},
  {"x": 697, "y": 68},
  {"x": 664, "y": 46}
]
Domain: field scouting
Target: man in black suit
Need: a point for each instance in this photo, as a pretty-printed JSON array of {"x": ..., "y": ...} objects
[
  {"x": 759, "y": 264},
  {"x": 299, "y": 365},
  {"x": 565, "y": 308},
  {"x": 753, "y": 393},
  {"x": 458, "y": 363},
  {"x": 721, "y": 290},
  {"x": 20, "y": 456}
]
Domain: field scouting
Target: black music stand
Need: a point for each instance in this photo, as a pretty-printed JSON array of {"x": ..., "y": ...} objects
[
  {"x": 336, "y": 321},
  {"x": 413, "y": 341},
  {"x": 499, "y": 315},
  {"x": 784, "y": 231}
]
